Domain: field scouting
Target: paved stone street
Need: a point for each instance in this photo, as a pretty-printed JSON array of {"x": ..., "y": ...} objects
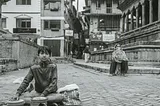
[{"x": 97, "y": 89}]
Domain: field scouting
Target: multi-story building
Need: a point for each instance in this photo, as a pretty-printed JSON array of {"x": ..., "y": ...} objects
[
  {"x": 140, "y": 34},
  {"x": 21, "y": 17},
  {"x": 140, "y": 30},
  {"x": 36, "y": 19},
  {"x": 138, "y": 16},
  {"x": 104, "y": 21},
  {"x": 52, "y": 26}
]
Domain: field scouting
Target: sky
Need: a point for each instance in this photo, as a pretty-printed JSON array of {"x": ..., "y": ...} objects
[{"x": 81, "y": 4}]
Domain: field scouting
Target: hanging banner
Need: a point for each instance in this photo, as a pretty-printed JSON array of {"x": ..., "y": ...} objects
[
  {"x": 68, "y": 32},
  {"x": 108, "y": 37},
  {"x": 96, "y": 37}
]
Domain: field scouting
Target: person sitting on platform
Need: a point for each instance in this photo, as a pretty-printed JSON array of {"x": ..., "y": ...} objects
[
  {"x": 119, "y": 63},
  {"x": 44, "y": 73}
]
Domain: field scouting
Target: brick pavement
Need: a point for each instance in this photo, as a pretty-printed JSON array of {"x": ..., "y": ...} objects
[{"x": 96, "y": 88}]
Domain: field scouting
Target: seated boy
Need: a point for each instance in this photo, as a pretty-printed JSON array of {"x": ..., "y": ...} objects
[{"x": 44, "y": 74}]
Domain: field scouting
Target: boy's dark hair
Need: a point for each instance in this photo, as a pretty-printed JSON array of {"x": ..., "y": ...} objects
[{"x": 44, "y": 49}]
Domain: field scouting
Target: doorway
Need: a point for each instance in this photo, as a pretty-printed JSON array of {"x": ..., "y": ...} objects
[{"x": 54, "y": 45}]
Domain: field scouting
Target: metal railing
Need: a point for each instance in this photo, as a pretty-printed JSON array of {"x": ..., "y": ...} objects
[{"x": 24, "y": 30}]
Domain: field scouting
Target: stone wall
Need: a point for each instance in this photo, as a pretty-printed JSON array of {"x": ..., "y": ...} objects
[
  {"x": 6, "y": 48},
  {"x": 24, "y": 52},
  {"x": 21, "y": 51},
  {"x": 7, "y": 64},
  {"x": 144, "y": 53}
]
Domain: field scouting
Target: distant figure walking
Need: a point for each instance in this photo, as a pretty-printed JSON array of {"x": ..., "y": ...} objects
[
  {"x": 86, "y": 53},
  {"x": 119, "y": 64}
]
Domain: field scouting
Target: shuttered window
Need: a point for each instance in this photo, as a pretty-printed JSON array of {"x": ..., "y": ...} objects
[
  {"x": 52, "y": 24},
  {"x": 23, "y": 23},
  {"x": 23, "y": 2},
  {"x": 109, "y": 6},
  {"x": 3, "y": 22}
]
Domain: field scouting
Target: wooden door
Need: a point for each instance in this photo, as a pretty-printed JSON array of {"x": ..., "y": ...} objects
[{"x": 54, "y": 45}]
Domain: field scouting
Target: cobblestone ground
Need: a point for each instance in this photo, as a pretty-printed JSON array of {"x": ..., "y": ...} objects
[{"x": 97, "y": 89}]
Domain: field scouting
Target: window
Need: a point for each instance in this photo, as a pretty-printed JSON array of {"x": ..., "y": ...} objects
[
  {"x": 23, "y": 2},
  {"x": 53, "y": 6},
  {"x": 98, "y": 4},
  {"x": 52, "y": 24},
  {"x": 89, "y": 2},
  {"x": 3, "y": 22},
  {"x": 109, "y": 6},
  {"x": 23, "y": 23},
  {"x": 109, "y": 23}
]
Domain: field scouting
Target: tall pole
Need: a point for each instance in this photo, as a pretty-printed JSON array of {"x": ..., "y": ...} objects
[
  {"x": 77, "y": 7},
  {"x": 78, "y": 32},
  {"x": 0, "y": 15}
]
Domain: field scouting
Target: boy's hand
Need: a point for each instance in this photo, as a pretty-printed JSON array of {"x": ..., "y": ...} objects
[
  {"x": 15, "y": 97},
  {"x": 42, "y": 95}
]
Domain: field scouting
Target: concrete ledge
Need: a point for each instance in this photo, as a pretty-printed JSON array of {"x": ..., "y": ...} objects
[{"x": 132, "y": 69}]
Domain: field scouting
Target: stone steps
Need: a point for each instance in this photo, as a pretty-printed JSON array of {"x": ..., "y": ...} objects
[{"x": 132, "y": 69}]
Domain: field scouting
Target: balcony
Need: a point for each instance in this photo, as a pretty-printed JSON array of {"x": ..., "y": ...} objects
[{"x": 24, "y": 30}]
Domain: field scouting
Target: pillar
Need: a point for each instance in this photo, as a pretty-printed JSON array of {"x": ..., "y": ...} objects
[
  {"x": 137, "y": 17},
  {"x": 127, "y": 25},
  {"x": 143, "y": 14},
  {"x": 150, "y": 11},
  {"x": 132, "y": 20},
  {"x": 123, "y": 23},
  {"x": 0, "y": 15},
  {"x": 158, "y": 9}
]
